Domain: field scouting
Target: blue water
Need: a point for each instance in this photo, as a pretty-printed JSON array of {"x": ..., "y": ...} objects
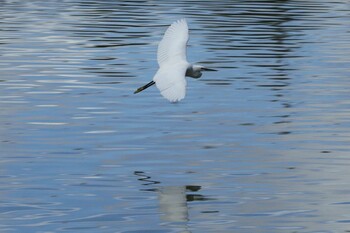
[{"x": 262, "y": 145}]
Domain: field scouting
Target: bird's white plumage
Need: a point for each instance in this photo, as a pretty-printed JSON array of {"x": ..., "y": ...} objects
[
  {"x": 171, "y": 56},
  {"x": 174, "y": 42},
  {"x": 171, "y": 82}
]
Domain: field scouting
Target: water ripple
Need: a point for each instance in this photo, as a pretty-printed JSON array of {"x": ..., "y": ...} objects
[{"x": 259, "y": 146}]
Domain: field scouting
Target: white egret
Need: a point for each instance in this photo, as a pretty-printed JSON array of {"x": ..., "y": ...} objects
[{"x": 173, "y": 66}]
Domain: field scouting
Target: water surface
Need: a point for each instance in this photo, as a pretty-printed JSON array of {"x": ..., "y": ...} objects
[{"x": 262, "y": 145}]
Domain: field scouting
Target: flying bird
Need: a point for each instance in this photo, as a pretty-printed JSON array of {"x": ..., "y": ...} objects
[{"x": 173, "y": 65}]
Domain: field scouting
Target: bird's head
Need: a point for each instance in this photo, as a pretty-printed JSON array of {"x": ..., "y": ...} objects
[{"x": 197, "y": 71}]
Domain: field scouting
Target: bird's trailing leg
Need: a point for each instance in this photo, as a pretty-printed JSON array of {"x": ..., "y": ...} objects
[{"x": 144, "y": 87}]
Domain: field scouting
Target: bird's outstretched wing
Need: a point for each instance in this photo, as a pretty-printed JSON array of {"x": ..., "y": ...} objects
[
  {"x": 171, "y": 82},
  {"x": 174, "y": 42}
]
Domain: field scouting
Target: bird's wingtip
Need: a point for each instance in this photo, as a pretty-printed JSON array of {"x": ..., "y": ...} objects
[{"x": 182, "y": 20}]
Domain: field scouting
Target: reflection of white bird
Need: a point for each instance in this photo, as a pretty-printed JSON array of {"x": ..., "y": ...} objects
[
  {"x": 173, "y": 66},
  {"x": 173, "y": 203}
]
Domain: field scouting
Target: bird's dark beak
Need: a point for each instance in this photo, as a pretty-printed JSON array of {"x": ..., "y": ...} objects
[{"x": 208, "y": 69}]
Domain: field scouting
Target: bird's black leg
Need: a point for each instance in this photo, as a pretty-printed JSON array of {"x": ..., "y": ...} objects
[{"x": 144, "y": 87}]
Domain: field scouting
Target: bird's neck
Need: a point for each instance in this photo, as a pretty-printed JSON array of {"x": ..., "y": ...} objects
[{"x": 193, "y": 72}]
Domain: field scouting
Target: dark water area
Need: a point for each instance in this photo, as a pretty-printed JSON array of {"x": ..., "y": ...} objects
[{"x": 261, "y": 145}]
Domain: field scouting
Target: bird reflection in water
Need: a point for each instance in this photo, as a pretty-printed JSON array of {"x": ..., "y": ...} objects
[{"x": 172, "y": 199}]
